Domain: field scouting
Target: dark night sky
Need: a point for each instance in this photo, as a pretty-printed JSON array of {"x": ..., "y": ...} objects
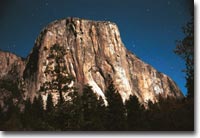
[{"x": 149, "y": 28}]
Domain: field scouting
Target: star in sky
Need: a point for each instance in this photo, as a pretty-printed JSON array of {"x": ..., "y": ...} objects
[
  {"x": 46, "y": 3},
  {"x": 153, "y": 26},
  {"x": 147, "y": 10},
  {"x": 171, "y": 67},
  {"x": 168, "y": 2}
]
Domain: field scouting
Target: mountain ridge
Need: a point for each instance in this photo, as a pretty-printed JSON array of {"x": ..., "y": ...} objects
[{"x": 95, "y": 53}]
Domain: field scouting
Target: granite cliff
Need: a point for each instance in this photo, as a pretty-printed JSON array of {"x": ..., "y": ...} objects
[
  {"x": 11, "y": 72},
  {"x": 94, "y": 55}
]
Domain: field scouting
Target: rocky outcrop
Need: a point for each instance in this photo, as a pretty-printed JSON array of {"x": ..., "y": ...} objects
[
  {"x": 94, "y": 55},
  {"x": 11, "y": 71},
  {"x": 11, "y": 66}
]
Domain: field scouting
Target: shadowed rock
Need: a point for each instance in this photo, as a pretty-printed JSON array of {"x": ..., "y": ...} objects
[{"x": 95, "y": 54}]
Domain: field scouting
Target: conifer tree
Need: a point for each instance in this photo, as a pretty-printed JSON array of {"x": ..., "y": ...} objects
[
  {"x": 37, "y": 106},
  {"x": 100, "y": 115},
  {"x": 56, "y": 70},
  {"x": 89, "y": 105},
  {"x": 27, "y": 116},
  {"x": 49, "y": 113},
  {"x": 73, "y": 111},
  {"x": 185, "y": 49},
  {"x": 49, "y": 105},
  {"x": 134, "y": 113},
  {"x": 115, "y": 112},
  {"x": 37, "y": 111}
]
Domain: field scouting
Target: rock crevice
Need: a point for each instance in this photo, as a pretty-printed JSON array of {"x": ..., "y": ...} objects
[{"x": 95, "y": 54}]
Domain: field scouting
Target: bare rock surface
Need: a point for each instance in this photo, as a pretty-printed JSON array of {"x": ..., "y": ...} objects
[{"x": 96, "y": 54}]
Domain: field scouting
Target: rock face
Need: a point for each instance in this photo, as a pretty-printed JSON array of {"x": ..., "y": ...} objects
[
  {"x": 11, "y": 66},
  {"x": 11, "y": 72},
  {"x": 94, "y": 55}
]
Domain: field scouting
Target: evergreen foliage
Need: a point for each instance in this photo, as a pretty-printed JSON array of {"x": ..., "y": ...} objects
[
  {"x": 185, "y": 49},
  {"x": 115, "y": 111},
  {"x": 92, "y": 110},
  {"x": 49, "y": 105},
  {"x": 56, "y": 69},
  {"x": 88, "y": 112},
  {"x": 134, "y": 113}
]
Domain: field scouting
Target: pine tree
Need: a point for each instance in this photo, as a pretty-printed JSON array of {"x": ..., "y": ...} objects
[
  {"x": 27, "y": 116},
  {"x": 185, "y": 49},
  {"x": 89, "y": 105},
  {"x": 134, "y": 113},
  {"x": 66, "y": 115},
  {"x": 61, "y": 117},
  {"x": 115, "y": 112},
  {"x": 37, "y": 106},
  {"x": 56, "y": 70},
  {"x": 100, "y": 115},
  {"x": 38, "y": 113},
  {"x": 74, "y": 122},
  {"x": 49, "y": 105},
  {"x": 49, "y": 114}
]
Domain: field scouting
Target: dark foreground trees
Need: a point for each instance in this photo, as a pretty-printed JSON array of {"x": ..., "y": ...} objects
[
  {"x": 115, "y": 111},
  {"x": 88, "y": 112},
  {"x": 134, "y": 110},
  {"x": 185, "y": 49}
]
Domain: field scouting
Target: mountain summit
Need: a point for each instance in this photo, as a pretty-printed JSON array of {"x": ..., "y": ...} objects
[{"x": 94, "y": 54}]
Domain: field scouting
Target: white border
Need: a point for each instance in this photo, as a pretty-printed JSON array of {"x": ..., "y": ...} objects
[{"x": 133, "y": 134}]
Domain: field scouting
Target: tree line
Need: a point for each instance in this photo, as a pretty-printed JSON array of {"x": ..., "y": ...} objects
[{"x": 87, "y": 112}]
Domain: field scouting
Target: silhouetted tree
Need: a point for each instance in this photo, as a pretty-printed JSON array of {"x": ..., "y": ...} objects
[
  {"x": 27, "y": 117},
  {"x": 134, "y": 113},
  {"x": 37, "y": 106},
  {"x": 67, "y": 114},
  {"x": 37, "y": 113},
  {"x": 185, "y": 49},
  {"x": 49, "y": 113},
  {"x": 75, "y": 108},
  {"x": 49, "y": 104},
  {"x": 89, "y": 105},
  {"x": 62, "y": 116},
  {"x": 56, "y": 69},
  {"x": 100, "y": 121},
  {"x": 115, "y": 112}
]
